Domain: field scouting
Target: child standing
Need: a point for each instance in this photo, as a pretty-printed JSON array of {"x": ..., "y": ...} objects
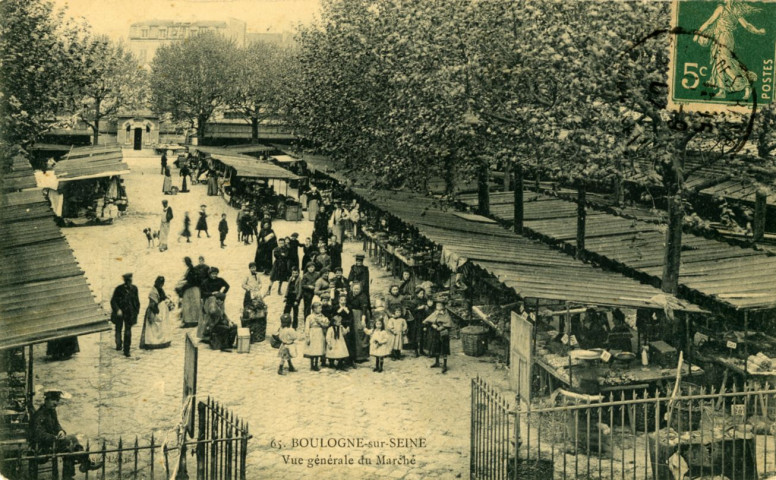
[
  {"x": 223, "y": 229},
  {"x": 202, "y": 222},
  {"x": 336, "y": 348},
  {"x": 287, "y": 350},
  {"x": 315, "y": 323},
  {"x": 379, "y": 344},
  {"x": 186, "y": 232},
  {"x": 397, "y": 328},
  {"x": 439, "y": 323}
]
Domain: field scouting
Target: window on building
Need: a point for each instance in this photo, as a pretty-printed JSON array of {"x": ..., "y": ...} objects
[
  {"x": 144, "y": 33},
  {"x": 163, "y": 33},
  {"x": 148, "y": 128},
  {"x": 202, "y": 29}
]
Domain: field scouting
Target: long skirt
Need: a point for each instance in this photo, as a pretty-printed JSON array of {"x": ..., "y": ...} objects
[
  {"x": 212, "y": 186},
  {"x": 440, "y": 344},
  {"x": 167, "y": 185},
  {"x": 213, "y": 311},
  {"x": 223, "y": 336},
  {"x": 164, "y": 232},
  {"x": 427, "y": 339},
  {"x": 62, "y": 348},
  {"x": 360, "y": 350},
  {"x": 280, "y": 271},
  {"x": 156, "y": 329},
  {"x": 191, "y": 307},
  {"x": 312, "y": 210},
  {"x": 339, "y": 231},
  {"x": 257, "y": 325}
]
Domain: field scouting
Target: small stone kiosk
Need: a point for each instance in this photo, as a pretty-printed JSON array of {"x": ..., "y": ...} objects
[{"x": 137, "y": 129}]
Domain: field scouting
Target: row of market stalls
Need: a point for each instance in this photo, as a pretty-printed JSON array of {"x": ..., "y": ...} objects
[
  {"x": 568, "y": 303},
  {"x": 244, "y": 179},
  {"x": 44, "y": 295},
  {"x": 84, "y": 186}
]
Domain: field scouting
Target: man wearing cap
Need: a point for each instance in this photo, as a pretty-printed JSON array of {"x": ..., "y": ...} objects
[
  {"x": 46, "y": 434},
  {"x": 360, "y": 273},
  {"x": 293, "y": 245},
  {"x": 125, "y": 307}
]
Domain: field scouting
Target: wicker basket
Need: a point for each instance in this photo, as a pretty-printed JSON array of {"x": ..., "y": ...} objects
[{"x": 475, "y": 342}]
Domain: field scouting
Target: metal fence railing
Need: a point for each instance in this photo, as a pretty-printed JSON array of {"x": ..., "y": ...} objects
[{"x": 697, "y": 433}]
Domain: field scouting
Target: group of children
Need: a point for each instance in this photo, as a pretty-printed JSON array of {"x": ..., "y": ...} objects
[{"x": 343, "y": 329}]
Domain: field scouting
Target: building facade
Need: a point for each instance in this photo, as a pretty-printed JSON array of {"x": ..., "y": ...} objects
[{"x": 146, "y": 37}]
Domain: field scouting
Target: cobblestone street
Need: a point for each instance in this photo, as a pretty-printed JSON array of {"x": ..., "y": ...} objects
[{"x": 114, "y": 396}]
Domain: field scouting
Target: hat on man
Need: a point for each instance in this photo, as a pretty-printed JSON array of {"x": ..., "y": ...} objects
[
  {"x": 213, "y": 270},
  {"x": 294, "y": 235},
  {"x": 127, "y": 276},
  {"x": 359, "y": 256},
  {"x": 53, "y": 393}
]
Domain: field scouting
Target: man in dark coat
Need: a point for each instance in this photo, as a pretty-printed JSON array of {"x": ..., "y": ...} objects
[
  {"x": 335, "y": 252},
  {"x": 293, "y": 250},
  {"x": 47, "y": 435},
  {"x": 125, "y": 306},
  {"x": 360, "y": 273},
  {"x": 164, "y": 161}
]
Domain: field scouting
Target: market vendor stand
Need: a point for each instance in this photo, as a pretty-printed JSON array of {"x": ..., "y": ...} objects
[
  {"x": 38, "y": 273},
  {"x": 88, "y": 188}
]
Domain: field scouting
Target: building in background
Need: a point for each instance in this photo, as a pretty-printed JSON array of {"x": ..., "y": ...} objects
[
  {"x": 146, "y": 37},
  {"x": 284, "y": 39}
]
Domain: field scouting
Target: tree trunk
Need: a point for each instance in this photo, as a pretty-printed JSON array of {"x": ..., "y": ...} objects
[
  {"x": 760, "y": 208},
  {"x": 449, "y": 175},
  {"x": 673, "y": 250},
  {"x": 483, "y": 187},
  {"x": 519, "y": 207},
  {"x": 201, "y": 128},
  {"x": 507, "y": 173},
  {"x": 581, "y": 217},
  {"x": 254, "y": 130},
  {"x": 618, "y": 187},
  {"x": 96, "y": 125}
]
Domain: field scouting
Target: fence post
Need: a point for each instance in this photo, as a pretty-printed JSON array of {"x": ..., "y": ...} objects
[
  {"x": 152, "y": 456},
  {"x": 201, "y": 422},
  {"x": 119, "y": 456},
  {"x": 102, "y": 457},
  {"x": 244, "y": 451},
  {"x": 135, "y": 450},
  {"x": 471, "y": 430}
]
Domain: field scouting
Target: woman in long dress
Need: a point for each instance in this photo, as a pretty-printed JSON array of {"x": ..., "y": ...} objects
[
  {"x": 212, "y": 183},
  {"x": 156, "y": 328},
  {"x": 358, "y": 304},
  {"x": 191, "y": 300},
  {"x": 266, "y": 242},
  {"x": 727, "y": 74},
  {"x": 164, "y": 226},
  {"x": 313, "y": 201},
  {"x": 167, "y": 186}
]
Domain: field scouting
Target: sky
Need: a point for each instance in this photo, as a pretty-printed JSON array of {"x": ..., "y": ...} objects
[{"x": 113, "y": 17}]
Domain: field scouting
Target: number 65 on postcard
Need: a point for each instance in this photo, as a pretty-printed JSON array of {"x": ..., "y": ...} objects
[{"x": 723, "y": 55}]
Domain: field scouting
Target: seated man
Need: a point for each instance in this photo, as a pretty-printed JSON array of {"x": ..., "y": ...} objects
[
  {"x": 47, "y": 435},
  {"x": 223, "y": 332}
]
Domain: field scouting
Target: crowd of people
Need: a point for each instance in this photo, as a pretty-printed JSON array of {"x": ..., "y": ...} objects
[{"x": 329, "y": 318}]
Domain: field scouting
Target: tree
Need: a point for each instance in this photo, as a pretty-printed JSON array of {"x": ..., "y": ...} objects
[
  {"x": 261, "y": 73},
  {"x": 190, "y": 79},
  {"x": 40, "y": 51},
  {"x": 113, "y": 80}
]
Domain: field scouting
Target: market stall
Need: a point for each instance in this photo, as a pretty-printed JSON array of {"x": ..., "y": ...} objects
[
  {"x": 88, "y": 187},
  {"x": 38, "y": 273},
  {"x": 247, "y": 180}
]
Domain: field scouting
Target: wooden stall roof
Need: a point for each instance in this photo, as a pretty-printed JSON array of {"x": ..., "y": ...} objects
[
  {"x": 735, "y": 277},
  {"x": 250, "y": 148},
  {"x": 531, "y": 269},
  {"x": 43, "y": 292},
  {"x": 19, "y": 177},
  {"x": 92, "y": 150},
  {"x": 248, "y": 166},
  {"x": 94, "y": 164}
]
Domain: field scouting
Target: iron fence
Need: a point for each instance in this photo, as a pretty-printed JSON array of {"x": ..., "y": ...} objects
[
  {"x": 221, "y": 446},
  {"x": 696, "y": 433}
]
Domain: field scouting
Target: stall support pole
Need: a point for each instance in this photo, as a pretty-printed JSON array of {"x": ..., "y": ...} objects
[{"x": 746, "y": 347}]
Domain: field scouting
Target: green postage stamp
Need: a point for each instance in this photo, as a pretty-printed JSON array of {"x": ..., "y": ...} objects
[{"x": 723, "y": 55}]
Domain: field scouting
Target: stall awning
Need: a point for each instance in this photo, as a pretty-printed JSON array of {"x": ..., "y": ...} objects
[
  {"x": 19, "y": 176},
  {"x": 251, "y": 148},
  {"x": 531, "y": 269},
  {"x": 105, "y": 164},
  {"x": 248, "y": 166},
  {"x": 286, "y": 159},
  {"x": 43, "y": 292},
  {"x": 92, "y": 150}
]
